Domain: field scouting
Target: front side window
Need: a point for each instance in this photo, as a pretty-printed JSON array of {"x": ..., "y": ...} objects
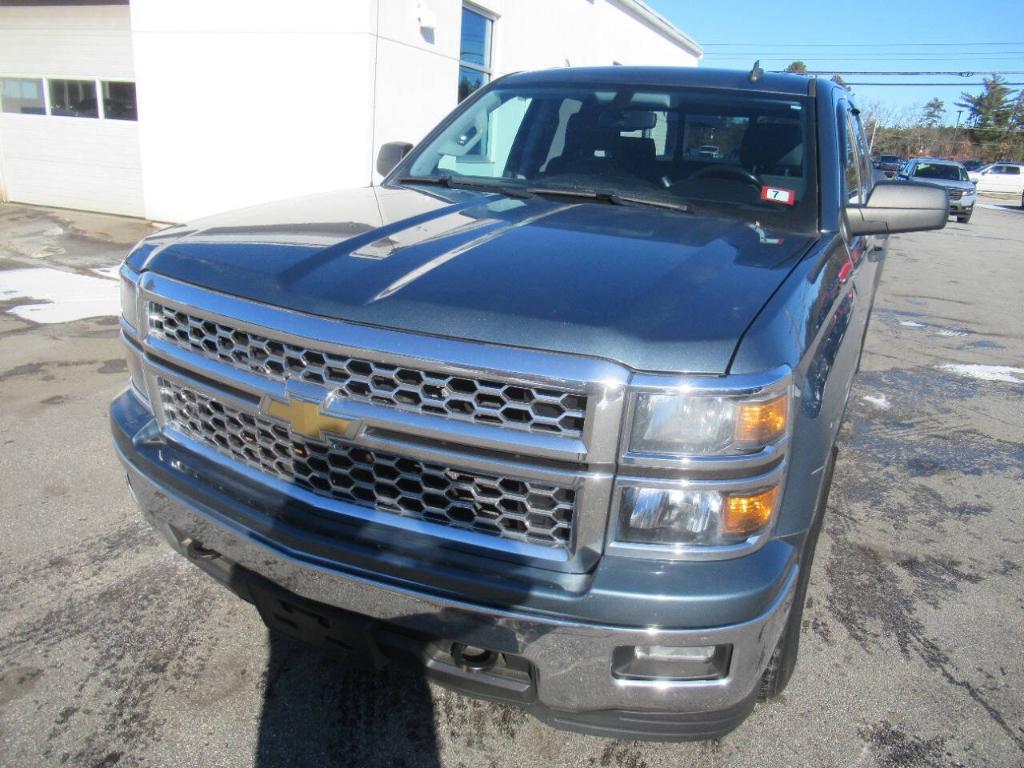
[
  {"x": 854, "y": 190},
  {"x": 474, "y": 52},
  {"x": 731, "y": 153},
  {"x": 73, "y": 98},
  {"x": 22, "y": 96}
]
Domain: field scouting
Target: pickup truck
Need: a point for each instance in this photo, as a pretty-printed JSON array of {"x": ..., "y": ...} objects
[{"x": 550, "y": 412}]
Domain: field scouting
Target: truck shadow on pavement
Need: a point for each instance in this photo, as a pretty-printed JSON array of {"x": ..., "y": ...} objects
[{"x": 318, "y": 711}]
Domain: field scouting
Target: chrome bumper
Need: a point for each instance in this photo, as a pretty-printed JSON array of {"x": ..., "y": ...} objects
[{"x": 572, "y": 659}]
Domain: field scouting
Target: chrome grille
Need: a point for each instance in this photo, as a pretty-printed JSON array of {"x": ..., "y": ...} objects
[
  {"x": 956, "y": 194},
  {"x": 509, "y": 507},
  {"x": 528, "y": 408}
]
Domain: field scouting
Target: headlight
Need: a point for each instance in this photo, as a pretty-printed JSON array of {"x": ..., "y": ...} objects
[
  {"x": 695, "y": 516},
  {"x": 701, "y": 424},
  {"x": 129, "y": 298}
]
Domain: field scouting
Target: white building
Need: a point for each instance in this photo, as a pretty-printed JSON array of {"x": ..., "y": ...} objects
[{"x": 214, "y": 104}]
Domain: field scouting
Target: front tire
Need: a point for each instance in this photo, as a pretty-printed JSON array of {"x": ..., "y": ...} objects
[
  {"x": 783, "y": 661},
  {"x": 967, "y": 218}
]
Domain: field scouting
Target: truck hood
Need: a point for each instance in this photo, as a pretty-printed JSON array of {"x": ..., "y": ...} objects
[{"x": 654, "y": 289}]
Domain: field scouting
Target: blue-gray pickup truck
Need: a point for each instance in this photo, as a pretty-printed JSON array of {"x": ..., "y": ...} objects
[{"x": 551, "y": 411}]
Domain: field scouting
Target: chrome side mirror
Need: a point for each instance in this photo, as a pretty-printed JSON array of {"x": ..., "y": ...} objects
[{"x": 899, "y": 206}]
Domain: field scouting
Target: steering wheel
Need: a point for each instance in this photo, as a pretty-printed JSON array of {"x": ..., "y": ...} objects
[{"x": 725, "y": 171}]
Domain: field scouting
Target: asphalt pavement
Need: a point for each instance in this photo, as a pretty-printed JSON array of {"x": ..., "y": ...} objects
[{"x": 114, "y": 651}]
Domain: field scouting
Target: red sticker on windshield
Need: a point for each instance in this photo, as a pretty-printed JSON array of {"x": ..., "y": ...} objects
[{"x": 779, "y": 195}]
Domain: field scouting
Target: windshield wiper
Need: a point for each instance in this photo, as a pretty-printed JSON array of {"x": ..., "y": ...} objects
[
  {"x": 614, "y": 198},
  {"x": 452, "y": 182},
  {"x": 516, "y": 190}
]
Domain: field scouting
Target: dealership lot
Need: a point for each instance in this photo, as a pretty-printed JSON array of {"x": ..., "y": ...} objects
[{"x": 114, "y": 651}]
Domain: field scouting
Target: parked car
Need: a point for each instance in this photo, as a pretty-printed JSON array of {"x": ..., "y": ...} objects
[
  {"x": 1001, "y": 179},
  {"x": 951, "y": 176},
  {"x": 890, "y": 165},
  {"x": 551, "y": 411},
  {"x": 709, "y": 152}
]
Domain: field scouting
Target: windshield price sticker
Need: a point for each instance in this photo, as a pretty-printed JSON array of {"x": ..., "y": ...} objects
[{"x": 779, "y": 195}]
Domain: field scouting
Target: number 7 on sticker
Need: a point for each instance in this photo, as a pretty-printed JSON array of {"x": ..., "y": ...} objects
[{"x": 779, "y": 195}]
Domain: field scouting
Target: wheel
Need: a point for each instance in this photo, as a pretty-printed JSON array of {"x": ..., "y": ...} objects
[
  {"x": 964, "y": 219},
  {"x": 783, "y": 661}
]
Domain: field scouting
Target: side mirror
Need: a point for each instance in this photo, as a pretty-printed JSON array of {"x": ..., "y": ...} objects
[
  {"x": 899, "y": 206},
  {"x": 390, "y": 155}
]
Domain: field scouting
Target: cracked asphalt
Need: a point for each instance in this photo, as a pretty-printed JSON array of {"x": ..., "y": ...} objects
[{"x": 114, "y": 651}]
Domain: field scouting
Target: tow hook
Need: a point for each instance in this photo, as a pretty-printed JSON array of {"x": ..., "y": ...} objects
[
  {"x": 196, "y": 551},
  {"x": 469, "y": 658}
]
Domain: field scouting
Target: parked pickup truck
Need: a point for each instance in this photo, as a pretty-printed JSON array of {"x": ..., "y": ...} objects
[{"x": 550, "y": 411}]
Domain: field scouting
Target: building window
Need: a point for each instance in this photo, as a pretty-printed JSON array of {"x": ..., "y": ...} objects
[
  {"x": 474, "y": 51},
  {"x": 119, "y": 101},
  {"x": 73, "y": 98},
  {"x": 22, "y": 96}
]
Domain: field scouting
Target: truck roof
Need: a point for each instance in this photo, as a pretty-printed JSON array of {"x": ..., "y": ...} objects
[{"x": 700, "y": 77}]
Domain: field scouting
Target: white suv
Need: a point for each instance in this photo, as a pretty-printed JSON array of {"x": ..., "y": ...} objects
[{"x": 1002, "y": 179}]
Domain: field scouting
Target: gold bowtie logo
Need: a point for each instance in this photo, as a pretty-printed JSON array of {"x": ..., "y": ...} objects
[{"x": 306, "y": 419}]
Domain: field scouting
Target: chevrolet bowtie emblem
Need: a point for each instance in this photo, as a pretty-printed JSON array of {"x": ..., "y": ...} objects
[{"x": 305, "y": 418}]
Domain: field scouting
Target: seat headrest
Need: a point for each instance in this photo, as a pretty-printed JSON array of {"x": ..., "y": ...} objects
[
  {"x": 636, "y": 149},
  {"x": 583, "y": 136},
  {"x": 768, "y": 145}
]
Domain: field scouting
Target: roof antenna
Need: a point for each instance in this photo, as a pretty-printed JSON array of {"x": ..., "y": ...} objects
[{"x": 756, "y": 73}]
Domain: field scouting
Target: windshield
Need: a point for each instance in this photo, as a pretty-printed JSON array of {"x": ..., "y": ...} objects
[
  {"x": 942, "y": 171},
  {"x": 724, "y": 153},
  {"x": 889, "y": 159}
]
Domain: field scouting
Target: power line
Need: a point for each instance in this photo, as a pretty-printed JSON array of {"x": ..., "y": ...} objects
[
  {"x": 850, "y": 45},
  {"x": 961, "y": 73},
  {"x": 930, "y": 85},
  {"x": 909, "y": 56}
]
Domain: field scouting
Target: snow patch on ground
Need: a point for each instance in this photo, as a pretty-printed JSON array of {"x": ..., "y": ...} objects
[
  {"x": 951, "y": 332},
  {"x": 111, "y": 273},
  {"x": 1003, "y": 373},
  {"x": 879, "y": 401},
  {"x": 912, "y": 324},
  {"x": 67, "y": 296}
]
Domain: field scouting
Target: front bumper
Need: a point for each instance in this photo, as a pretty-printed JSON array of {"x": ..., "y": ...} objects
[
  {"x": 571, "y": 683},
  {"x": 964, "y": 205}
]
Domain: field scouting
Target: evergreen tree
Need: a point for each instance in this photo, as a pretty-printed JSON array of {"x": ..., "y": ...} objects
[
  {"x": 992, "y": 108},
  {"x": 933, "y": 112}
]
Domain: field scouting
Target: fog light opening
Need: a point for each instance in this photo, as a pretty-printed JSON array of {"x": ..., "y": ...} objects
[{"x": 662, "y": 663}]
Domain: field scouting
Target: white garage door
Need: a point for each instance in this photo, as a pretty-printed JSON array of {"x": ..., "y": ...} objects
[{"x": 68, "y": 120}]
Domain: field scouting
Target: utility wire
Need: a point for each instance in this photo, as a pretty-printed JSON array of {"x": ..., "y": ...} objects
[
  {"x": 850, "y": 45},
  {"x": 930, "y": 85},
  {"x": 961, "y": 73}
]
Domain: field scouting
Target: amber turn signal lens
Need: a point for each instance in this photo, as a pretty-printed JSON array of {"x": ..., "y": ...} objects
[
  {"x": 761, "y": 423},
  {"x": 743, "y": 515}
]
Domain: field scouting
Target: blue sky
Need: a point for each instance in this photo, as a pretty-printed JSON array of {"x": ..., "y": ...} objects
[{"x": 890, "y": 35}]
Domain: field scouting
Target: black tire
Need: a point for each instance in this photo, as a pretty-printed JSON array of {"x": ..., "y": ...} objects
[
  {"x": 964, "y": 219},
  {"x": 783, "y": 661}
]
